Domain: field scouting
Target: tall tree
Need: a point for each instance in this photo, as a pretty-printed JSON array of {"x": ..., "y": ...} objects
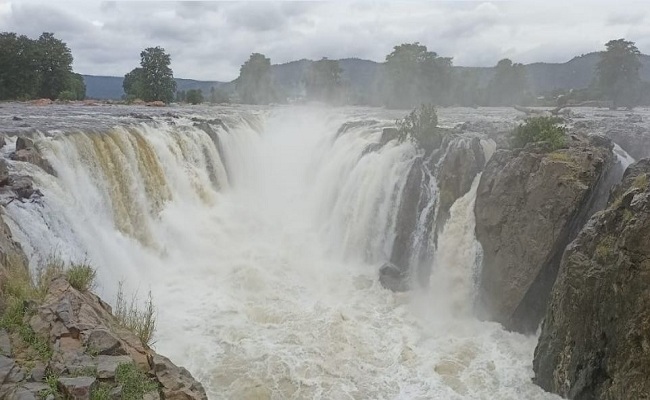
[
  {"x": 19, "y": 76},
  {"x": 54, "y": 61},
  {"x": 324, "y": 81},
  {"x": 415, "y": 75},
  {"x": 255, "y": 82},
  {"x": 618, "y": 72},
  {"x": 154, "y": 80},
  {"x": 509, "y": 85}
]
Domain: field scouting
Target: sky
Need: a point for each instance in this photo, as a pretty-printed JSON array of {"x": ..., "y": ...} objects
[{"x": 211, "y": 40}]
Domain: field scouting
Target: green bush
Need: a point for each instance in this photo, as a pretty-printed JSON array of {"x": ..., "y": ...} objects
[
  {"x": 420, "y": 123},
  {"x": 141, "y": 322},
  {"x": 540, "y": 129},
  {"x": 135, "y": 384},
  {"x": 81, "y": 276}
]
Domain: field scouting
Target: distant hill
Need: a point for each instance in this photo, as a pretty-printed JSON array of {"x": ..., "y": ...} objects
[
  {"x": 110, "y": 87},
  {"x": 361, "y": 75}
]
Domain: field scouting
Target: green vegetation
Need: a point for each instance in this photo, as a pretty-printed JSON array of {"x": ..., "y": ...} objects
[
  {"x": 605, "y": 249},
  {"x": 194, "y": 96},
  {"x": 81, "y": 276},
  {"x": 135, "y": 384},
  {"x": 414, "y": 75},
  {"x": 418, "y": 124},
  {"x": 324, "y": 81},
  {"x": 141, "y": 322},
  {"x": 255, "y": 82},
  {"x": 154, "y": 79},
  {"x": 51, "y": 381},
  {"x": 37, "y": 68},
  {"x": 101, "y": 392},
  {"x": 618, "y": 73},
  {"x": 540, "y": 129},
  {"x": 509, "y": 85}
]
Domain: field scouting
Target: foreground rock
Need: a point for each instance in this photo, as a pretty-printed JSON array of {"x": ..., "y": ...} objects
[
  {"x": 89, "y": 346},
  {"x": 530, "y": 204},
  {"x": 595, "y": 339}
]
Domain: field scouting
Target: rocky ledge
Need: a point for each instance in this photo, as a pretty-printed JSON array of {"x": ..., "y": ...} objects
[
  {"x": 91, "y": 355},
  {"x": 530, "y": 204},
  {"x": 595, "y": 339}
]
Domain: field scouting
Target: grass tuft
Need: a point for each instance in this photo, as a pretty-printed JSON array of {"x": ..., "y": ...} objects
[
  {"x": 81, "y": 276},
  {"x": 135, "y": 384},
  {"x": 142, "y": 322}
]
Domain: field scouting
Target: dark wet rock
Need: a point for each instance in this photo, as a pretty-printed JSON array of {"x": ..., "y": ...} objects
[
  {"x": 4, "y": 172},
  {"x": 137, "y": 115},
  {"x": 16, "y": 118},
  {"x": 347, "y": 126},
  {"x": 394, "y": 278},
  {"x": 388, "y": 134},
  {"x": 530, "y": 204},
  {"x": 24, "y": 143},
  {"x": 595, "y": 338},
  {"x": 3, "y": 141}
]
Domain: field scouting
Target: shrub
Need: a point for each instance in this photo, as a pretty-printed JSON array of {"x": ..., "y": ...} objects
[
  {"x": 135, "y": 384},
  {"x": 641, "y": 182},
  {"x": 67, "y": 95},
  {"x": 540, "y": 129},
  {"x": 420, "y": 123},
  {"x": 81, "y": 276},
  {"x": 141, "y": 322}
]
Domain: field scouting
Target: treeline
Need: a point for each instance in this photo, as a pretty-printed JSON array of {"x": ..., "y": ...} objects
[
  {"x": 40, "y": 68},
  {"x": 413, "y": 75}
]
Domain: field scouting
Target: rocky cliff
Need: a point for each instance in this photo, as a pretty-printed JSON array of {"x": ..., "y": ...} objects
[
  {"x": 442, "y": 173},
  {"x": 595, "y": 339},
  {"x": 530, "y": 204}
]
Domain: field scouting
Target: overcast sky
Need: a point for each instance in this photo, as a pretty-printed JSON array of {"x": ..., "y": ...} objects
[{"x": 210, "y": 40}]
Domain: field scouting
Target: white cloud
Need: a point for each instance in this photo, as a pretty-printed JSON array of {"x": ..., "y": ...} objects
[{"x": 210, "y": 40}]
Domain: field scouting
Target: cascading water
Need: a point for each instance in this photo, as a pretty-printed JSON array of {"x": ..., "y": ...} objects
[{"x": 262, "y": 257}]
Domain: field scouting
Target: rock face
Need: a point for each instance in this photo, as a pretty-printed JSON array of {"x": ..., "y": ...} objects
[
  {"x": 450, "y": 162},
  {"x": 595, "y": 339},
  {"x": 88, "y": 345},
  {"x": 27, "y": 151},
  {"x": 530, "y": 204}
]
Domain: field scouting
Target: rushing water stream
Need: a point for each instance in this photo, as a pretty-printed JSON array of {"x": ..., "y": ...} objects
[{"x": 262, "y": 250}]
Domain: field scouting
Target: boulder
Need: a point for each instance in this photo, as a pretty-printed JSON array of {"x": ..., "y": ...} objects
[
  {"x": 394, "y": 278},
  {"x": 33, "y": 156},
  {"x": 595, "y": 338},
  {"x": 530, "y": 204},
  {"x": 177, "y": 382},
  {"x": 24, "y": 143},
  {"x": 78, "y": 388},
  {"x": 3, "y": 141},
  {"x": 106, "y": 365}
]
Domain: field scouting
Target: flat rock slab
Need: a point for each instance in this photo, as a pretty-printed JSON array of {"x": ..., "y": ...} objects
[{"x": 106, "y": 365}]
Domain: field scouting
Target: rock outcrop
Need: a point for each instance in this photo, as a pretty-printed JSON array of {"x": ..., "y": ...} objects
[
  {"x": 438, "y": 177},
  {"x": 88, "y": 348},
  {"x": 595, "y": 339},
  {"x": 27, "y": 151},
  {"x": 530, "y": 204}
]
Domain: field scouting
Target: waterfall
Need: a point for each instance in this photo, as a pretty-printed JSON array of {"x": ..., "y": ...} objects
[{"x": 260, "y": 239}]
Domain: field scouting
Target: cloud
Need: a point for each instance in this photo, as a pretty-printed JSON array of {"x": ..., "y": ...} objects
[{"x": 210, "y": 40}]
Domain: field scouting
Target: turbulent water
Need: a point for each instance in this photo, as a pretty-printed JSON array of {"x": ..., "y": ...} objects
[{"x": 261, "y": 246}]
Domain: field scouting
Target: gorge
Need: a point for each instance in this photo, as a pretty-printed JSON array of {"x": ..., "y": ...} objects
[{"x": 268, "y": 237}]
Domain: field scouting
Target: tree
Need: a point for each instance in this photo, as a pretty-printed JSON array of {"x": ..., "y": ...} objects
[
  {"x": 133, "y": 84},
  {"x": 509, "y": 85},
  {"x": 19, "y": 77},
  {"x": 154, "y": 80},
  {"x": 54, "y": 63},
  {"x": 194, "y": 96},
  {"x": 618, "y": 73},
  {"x": 415, "y": 75},
  {"x": 324, "y": 80},
  {"x": 76, "y": 86},
  {"x": 255, "y": 83}
]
